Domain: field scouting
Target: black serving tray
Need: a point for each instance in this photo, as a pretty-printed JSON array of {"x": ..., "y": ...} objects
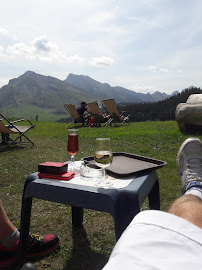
[{"x": 125, "y": 164}]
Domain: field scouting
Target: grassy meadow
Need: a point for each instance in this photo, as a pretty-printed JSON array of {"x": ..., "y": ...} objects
[
  {"x": 30, "y": 112},
  {"x": 89, "y": 246}
]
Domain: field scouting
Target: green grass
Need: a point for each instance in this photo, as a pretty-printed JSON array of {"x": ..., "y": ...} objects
[
  {"x": 91, "y": 244},
  {"x": 31, "y": 111}
]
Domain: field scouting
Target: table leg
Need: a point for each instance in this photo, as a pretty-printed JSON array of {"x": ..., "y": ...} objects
[
  {"x": 77, "y": 216},
  {"x": 24, "y": 230},
  {"x": 154, "y": 197},
  {"x": 124, "y": 211}
]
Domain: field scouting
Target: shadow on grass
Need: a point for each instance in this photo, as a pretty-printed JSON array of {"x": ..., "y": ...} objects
[
  {"x": 83, "y": 257},
  {"x": 14, "y": 147}
]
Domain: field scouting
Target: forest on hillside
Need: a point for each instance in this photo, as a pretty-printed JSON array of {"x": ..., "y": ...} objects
[{"x": 158, "y": 111}]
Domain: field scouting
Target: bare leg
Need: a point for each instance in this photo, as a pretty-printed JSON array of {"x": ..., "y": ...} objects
[
  {"x": 9, "y": 242},
  {"x": 189, "y": 165},
  {"x": 9, "y": 235},
  {"x": 6, "y": 226},
  {"x": 188, "y": 207}
]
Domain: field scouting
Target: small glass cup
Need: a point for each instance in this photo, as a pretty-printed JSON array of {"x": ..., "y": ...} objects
[{"x": 90, "y": 172}]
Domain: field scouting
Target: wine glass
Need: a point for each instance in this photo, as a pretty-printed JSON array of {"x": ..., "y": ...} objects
[
  {"x": 72, "y": 146},
  {"x": 103, "y": 158}
]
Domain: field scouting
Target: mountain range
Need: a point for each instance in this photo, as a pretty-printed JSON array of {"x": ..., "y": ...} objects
[
  {"x": 120, "y": 94},
  {"x": 33, "y": 94}
]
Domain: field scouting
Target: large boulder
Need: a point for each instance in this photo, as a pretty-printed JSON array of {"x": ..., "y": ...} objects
[{"x": 189, "y": 115}]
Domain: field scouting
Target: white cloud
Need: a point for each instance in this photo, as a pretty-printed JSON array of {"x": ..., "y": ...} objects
[
  {"x": 42, "y": 44},
  {"x": 102, "y": 61},
  {"x": 19, "y": 49},
  {"x": 41, "y": 49},
  {"x": 74, "y": 59},
  {"x": 152, "y": 68},
  {"x": 155, "y": 69},
  {"x": 163, "y": 70},
  {"x": 144, "y": 41},
  {"x": 5, "y": 33},
  {"x": 6, "y": 38}
]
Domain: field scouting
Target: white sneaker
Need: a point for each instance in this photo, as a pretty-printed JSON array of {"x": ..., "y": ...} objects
[{"x": 189, "y": 164}]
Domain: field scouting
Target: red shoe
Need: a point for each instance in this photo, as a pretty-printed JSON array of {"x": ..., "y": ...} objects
[
  {"x": 8, "y": 256},
  {"x": 7, "y": 260},
  {"x": 38, "y": 246}
]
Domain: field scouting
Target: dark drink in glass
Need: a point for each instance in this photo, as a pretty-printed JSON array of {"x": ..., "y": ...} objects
[{"x": 72, "y": 146}]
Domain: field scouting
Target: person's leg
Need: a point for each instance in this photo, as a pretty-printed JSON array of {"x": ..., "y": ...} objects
[
  {"x": 9, "y": 242},
  {"x": 6, "y": 226},
  {"x": 159, "y": 240},
  {"x": 8, "y": 233},
  {"x": 189, "y": 164},
  {"x": 188, "y": 207}
]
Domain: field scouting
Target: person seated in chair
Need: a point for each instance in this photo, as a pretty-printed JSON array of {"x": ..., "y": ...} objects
[
  {"x": 86, "y": 115},
  {"x": 83, "y": 111}
]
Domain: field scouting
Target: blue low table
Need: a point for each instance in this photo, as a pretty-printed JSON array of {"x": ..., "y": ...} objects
[{"x": 122, "y": 203}]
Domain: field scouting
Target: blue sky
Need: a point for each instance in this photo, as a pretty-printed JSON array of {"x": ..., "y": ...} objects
[{"x": 142, "y": 45}]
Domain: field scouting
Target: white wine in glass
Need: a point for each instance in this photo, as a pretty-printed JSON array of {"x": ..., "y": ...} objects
[{"x": 103, "y": 158}]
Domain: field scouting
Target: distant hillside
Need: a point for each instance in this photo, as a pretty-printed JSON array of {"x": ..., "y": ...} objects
[
  {"x": 102, "y": 90},
  {"x": 32, "y": 95},
  {"x": 161, "y": 110},
  {"x": 105, "y": 91}
]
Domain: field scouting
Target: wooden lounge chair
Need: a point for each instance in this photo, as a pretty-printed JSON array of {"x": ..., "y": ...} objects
[
  {"x": 73, "y": 112},
  {"x": 97, "y": 113},
  {"x": 7, "y": 128},
  {"x": 114, "y": 112}
]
